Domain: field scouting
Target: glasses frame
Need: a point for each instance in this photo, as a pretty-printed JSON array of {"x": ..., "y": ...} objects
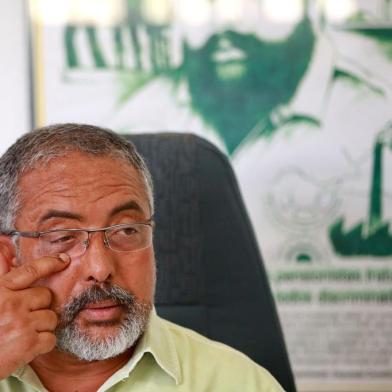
[{"x": 38, "y": 234}]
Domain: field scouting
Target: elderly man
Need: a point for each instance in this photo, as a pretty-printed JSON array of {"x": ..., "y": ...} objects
[{"x": 77, "y": 276}]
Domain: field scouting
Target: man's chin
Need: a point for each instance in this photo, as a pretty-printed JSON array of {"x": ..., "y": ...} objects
[
  {"x": 97, "y": 328},
  {"x": 100, "y": 338},
  {"x": 96, "y": 341}
]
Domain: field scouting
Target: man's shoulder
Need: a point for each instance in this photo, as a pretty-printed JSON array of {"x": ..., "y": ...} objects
[
  {"x": 187, "y": 339},
  {"x": 204, "y": 358}
]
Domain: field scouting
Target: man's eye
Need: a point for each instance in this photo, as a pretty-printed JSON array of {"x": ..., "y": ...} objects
[
  {"x": 61, "y": 238},
  {"x": 127, "y": 231}
]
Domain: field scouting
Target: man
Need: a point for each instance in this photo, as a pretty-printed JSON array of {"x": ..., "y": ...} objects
[
  {"x": 226, "y": 76},
  {"x": 77, "y": 276}
]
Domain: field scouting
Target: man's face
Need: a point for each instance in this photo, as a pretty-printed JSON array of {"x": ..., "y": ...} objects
[
  {"x": 80, "y": 191},
  {"x": 238, "y": 74}
]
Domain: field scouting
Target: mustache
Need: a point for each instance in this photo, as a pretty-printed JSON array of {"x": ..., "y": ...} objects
[{"x": 94, "y": 294}]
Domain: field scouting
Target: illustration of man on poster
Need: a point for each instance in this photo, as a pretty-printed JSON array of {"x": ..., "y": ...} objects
[{"x": 225, "y": 80}]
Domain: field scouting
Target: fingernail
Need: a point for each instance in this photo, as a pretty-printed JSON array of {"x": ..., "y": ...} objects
[{"x": 64, "y": 257}]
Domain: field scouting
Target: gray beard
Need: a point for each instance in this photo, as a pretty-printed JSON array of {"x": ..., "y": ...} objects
[{"x": 72, "y": 339}]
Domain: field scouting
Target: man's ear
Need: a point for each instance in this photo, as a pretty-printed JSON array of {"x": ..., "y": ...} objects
[{"x": 7, "y": 254}]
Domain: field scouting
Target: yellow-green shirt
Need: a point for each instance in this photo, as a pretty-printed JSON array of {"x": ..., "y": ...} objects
[{"x": 170, "y": 358}]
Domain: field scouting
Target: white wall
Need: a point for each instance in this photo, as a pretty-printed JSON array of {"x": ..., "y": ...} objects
[{"x": 14, "y": 73}]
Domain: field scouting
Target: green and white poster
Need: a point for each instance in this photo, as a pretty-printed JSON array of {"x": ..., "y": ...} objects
[{"x": 298, "y": 94}]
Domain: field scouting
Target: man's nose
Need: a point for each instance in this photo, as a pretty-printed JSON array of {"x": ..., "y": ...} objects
[{"x": 97, "y": 261}]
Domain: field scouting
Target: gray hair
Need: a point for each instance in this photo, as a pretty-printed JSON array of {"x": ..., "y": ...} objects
[
  {"x": 40, "y": 146},
  {"x": 72, "y": 339}
]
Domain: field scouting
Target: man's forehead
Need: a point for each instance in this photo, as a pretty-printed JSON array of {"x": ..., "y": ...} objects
[
  {"x": 85, "y": 178},
  {"x": 77, "y": 165}
]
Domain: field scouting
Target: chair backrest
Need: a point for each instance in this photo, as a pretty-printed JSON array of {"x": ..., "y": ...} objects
[{"x": 211, "y": 276}]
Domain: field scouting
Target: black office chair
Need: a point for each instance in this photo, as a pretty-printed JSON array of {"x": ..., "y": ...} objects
[{"x": 211, "y": 276}]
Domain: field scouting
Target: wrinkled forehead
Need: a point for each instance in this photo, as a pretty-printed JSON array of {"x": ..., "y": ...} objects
[{"x": 81, "y": 181}]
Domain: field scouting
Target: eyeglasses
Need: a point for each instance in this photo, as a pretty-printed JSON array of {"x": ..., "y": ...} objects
[{"x": 129, "y": 237}]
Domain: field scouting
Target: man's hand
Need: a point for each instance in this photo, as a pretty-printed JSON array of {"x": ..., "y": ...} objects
[{"x": 26, "y": 323}]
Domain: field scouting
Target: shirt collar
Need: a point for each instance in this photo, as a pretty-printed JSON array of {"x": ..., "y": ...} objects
[
  {"x": 27, "y": 376},
  {"x": 157, "y": 341},
  {"x": 309, "y": 101}
]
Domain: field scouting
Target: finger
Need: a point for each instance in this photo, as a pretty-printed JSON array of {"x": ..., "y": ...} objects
[
  {"x": 44, "y": 320},
  {"x": 37, "y": 298},
  {"x": 46, "y": 342},
  {"x": 24, "y": 276}
]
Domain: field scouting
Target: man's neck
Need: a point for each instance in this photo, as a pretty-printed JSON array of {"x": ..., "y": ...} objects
[{"x": 60, "y": 372}]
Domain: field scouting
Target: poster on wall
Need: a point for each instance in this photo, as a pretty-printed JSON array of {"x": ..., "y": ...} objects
[{"x": 298, "y": 94}]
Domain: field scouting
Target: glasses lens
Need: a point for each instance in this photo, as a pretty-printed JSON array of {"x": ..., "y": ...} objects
[
  {"x": 70, "y": 242},
  {"x": 128, "y": 238}
]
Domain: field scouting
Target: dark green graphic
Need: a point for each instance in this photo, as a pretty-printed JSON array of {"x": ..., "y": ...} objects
[
  {"x": 72, "y": 56},
  {"x": 304, "y": 258},
  {"x": 234, "y": 95},
  {"x": 234, "y": 80},
  {"x": 371, "y": 238},
  {"x": 127, "y": 42},
  {"x": 305, "y": 250}
]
